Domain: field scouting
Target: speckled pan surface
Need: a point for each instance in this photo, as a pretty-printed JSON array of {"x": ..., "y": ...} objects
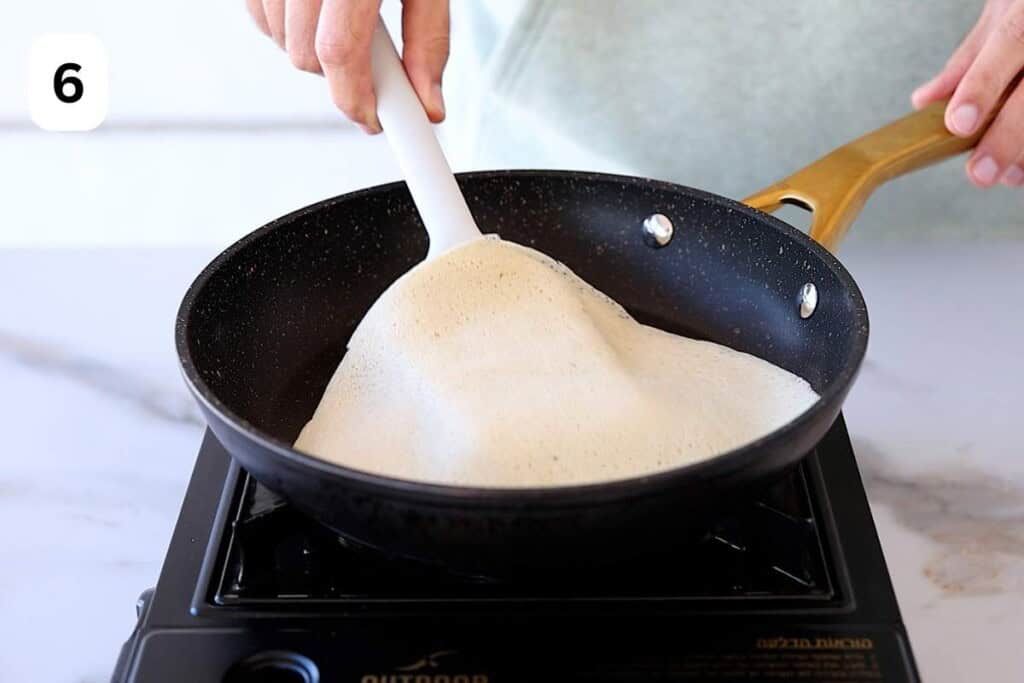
[{"x": 264, "y": 326}]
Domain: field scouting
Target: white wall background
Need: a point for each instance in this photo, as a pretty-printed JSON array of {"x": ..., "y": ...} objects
[
  {"x": 180, "y": 60},
  {"x": 210, "y": 131}
]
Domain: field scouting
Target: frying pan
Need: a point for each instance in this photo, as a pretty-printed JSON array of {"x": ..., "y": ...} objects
[{"x": 263, "y": 327}]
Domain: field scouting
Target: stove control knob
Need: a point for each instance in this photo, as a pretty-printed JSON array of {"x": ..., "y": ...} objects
[{"x": 274, "y": 666}]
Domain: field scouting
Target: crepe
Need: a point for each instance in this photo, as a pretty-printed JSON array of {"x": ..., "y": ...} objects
[{"x": 494, "y": 365}]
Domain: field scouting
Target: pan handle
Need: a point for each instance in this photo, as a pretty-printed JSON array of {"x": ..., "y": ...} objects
[{"x": 836, "y": 187}]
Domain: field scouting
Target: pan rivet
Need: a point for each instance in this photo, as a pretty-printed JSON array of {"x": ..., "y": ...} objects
[
  {"x": 657, "y": 230},
  {"x": 808, "y": 300}
]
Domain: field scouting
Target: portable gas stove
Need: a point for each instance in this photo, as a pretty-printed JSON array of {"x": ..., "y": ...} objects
[{"x": 792, "y": 585}]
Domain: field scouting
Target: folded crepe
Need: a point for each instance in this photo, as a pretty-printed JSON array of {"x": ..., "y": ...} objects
[{"x": 494, "y": 365}]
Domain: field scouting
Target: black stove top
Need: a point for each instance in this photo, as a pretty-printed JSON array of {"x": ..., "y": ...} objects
[
  {"x": 791, "y": 584},
  {"x": 768, "y": 550}
]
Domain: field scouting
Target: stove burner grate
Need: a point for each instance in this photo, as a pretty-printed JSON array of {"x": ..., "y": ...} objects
[{"x": 769, "y": 548}]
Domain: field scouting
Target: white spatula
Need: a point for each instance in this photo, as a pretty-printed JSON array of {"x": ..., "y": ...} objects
[{"x": 434, "y": 190}]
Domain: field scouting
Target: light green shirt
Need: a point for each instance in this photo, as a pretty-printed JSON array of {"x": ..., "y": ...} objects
[{"x": 727, "y": 96}]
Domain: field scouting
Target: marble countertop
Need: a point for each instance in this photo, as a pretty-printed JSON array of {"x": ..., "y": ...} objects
[{"x": 100, "y": 438}]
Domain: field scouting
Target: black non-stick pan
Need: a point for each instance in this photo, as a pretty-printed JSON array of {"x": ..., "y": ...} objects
[{"x": 264, "y": 326}]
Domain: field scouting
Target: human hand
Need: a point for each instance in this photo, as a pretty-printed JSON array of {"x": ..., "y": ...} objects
[
  {"x": 980, "y": 71},
  {"x": 332, "y": 38}
]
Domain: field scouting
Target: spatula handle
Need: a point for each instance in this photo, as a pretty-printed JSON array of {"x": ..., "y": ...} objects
[{"x": 434, "y": 190}]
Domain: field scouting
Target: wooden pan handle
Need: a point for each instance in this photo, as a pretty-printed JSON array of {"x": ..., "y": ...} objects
[{"x": 836, "y": 187}]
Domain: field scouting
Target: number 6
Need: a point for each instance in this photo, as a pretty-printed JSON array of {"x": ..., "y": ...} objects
[{"x": 59, "y": 81}]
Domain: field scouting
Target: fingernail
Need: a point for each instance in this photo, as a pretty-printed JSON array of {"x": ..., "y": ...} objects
[
  {"x": 964, "y": 119},
  {"x": 438, "y": 97},
  {"x": 1014, "y": 176},
  {"x": 918, "y": 94},
  {"x": 985, "y": 170},
  {"x": 372, "y": 122}
]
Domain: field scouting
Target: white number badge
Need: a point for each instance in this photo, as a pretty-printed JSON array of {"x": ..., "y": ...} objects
[{"x": 68, "y": 82}]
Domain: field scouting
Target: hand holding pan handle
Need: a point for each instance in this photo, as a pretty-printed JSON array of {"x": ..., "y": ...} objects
[{"x": 835, "y": 187}]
